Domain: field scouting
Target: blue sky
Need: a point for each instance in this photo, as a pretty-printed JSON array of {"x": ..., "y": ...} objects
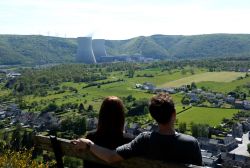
[{"x": 120, "y": 19}]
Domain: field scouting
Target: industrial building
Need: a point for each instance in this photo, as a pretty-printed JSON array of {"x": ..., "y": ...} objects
[{"x": 93, "y": 51}]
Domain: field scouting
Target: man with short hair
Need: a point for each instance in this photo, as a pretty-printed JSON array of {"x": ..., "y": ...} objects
[{"x": 165, "y": 144}]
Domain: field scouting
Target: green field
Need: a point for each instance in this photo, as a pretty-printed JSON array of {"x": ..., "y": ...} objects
[
  {"x": 207, "y": 76},
  {"x": 202, "y": 115},
  {"x": 225, "y": 87},
  {"x": 94, "y": 95}
]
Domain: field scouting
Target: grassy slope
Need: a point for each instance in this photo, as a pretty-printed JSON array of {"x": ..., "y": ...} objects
[
  {"x": 94, "y": 95},
  {"x": 222, "y": 86},
  {"x": 207, "y": 76},
  {"x": 211, "y": 116},
  {"x": 124, "y": 88}
]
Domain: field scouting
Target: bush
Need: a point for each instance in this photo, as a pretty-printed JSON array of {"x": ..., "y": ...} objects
[{"x": 21, "y": 159}]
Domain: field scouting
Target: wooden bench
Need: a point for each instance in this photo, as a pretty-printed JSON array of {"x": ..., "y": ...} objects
[{"x": 44, "y": 143}]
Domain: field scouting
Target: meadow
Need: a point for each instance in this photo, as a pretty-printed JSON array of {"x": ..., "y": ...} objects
[
  {"x": 203, "y": 115},
  {"x": 93, "y": 95},
  {"x": 225, "y": 77}
]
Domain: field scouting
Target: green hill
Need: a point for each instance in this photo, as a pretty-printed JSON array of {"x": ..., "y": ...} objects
[
  {"x": 17, "y": 49},
  {"x": 184, "y": 47},
  {"x": 31, "y": 49}
]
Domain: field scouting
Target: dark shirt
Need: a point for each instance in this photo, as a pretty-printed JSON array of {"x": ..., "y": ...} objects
[
  {"x": 108, "y": 141},
  {"x": 178, "y": 148}
]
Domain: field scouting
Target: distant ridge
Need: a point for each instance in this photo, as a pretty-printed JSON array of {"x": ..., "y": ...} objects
[{"x": 36, "y": 49}]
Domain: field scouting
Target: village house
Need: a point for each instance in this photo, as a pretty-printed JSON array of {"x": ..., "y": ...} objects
[
  {"x": 238, "y": 104},
  {"x": 246, "y": 105},
  {"x": 209, "y": 159},
  {"x": 2, "y": 114},
  {"x": 239, "y": 157},
  {"x": 46, "y": 121},
  {"x": 148, "y": 86},
  {"x": 230, "y": 99},
  {"x": 198, "y": 91},
  {"x": 134, "y": 129},
  {"x": 237, "y": 130},
  {"x": 13, "y": 75},
  {"x": 209, "y": 96},
  {"x": 91, "y": 123},
  {"x": 12, "y": 110},
  {"x": 169, "y": 90},
  {"x": 193, "y": 97},
  {"x": 219, "y": 96},
  {"x": 183, "y": 88},
  {"x": 217, "y": 146}
]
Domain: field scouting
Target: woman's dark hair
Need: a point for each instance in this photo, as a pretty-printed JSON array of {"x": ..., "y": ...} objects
[
  {"x": 161, "y": 107},
  {"x": 111, "y": 116}
]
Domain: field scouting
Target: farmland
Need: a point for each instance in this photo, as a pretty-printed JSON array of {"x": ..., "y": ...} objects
[
  {"x": 226, "y": 77},
  {"x": 210, "y": 116},
  {"x": 70, "y": 91}
]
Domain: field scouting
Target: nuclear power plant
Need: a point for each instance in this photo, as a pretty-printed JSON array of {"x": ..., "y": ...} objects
[
  {"x": 90, "y": 51},
  {"x": 85, "y": 52},
  {"x": 93, "y": 51},
  {"x": 98, "y": 46}
]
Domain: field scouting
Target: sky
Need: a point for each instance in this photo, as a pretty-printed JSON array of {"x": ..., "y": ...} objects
[{"x": 123, "y": 19}]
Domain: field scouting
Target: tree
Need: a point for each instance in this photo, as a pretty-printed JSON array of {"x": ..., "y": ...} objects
[
  {"x": 16, "y": 138},
  {"x": 76, "y": 125},
  {"x": 131, "y": 73},
  {"x": 81, "y": 108},
  {"x": 51, "y": 107},
  {"x": 2, "y": 145},
  {"x": 192, "y": 71},
  {"x": 71, "y": 162},
  {"x": 182, "y": 127},
  {"x": 185, "y": 100},
  {"x": 80, "y": 126},
  {"x": 199, "y": 130},
  {"x": 193, "y": 85},
  {"x": 90, "y": 108},
  {"x": 27, "y": 141},
  {"x": 146, "y": 110}
]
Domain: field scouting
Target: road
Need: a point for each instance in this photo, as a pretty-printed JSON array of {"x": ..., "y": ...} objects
[{"x": 242, "y": 148}]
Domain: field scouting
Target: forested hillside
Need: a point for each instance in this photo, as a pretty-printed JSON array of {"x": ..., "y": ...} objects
[
  {"x": 17, "y": 49},
  {"x": 184, "y": 47}
]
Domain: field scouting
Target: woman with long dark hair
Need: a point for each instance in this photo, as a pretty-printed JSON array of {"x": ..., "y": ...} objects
[{"x": 110, "y": 127}]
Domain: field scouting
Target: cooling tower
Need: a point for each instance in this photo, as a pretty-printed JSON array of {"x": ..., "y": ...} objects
[
  {"x": 85, "y": 52},
  {"x": 99, "y": 48}
]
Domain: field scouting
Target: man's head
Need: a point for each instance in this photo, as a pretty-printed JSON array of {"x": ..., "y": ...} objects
[{"x": 161, "y": 108}]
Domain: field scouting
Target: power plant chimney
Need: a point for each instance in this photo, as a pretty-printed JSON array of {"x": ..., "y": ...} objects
[
  {"x": 85, "y": 52},
  {"x": 99, "y": 48}
]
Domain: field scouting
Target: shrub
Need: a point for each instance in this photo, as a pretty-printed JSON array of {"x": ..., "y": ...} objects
[{"x": 21, "y": 159}]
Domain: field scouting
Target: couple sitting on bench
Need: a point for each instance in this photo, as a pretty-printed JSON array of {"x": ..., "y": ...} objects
[{"x": 110, "y": 144}]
